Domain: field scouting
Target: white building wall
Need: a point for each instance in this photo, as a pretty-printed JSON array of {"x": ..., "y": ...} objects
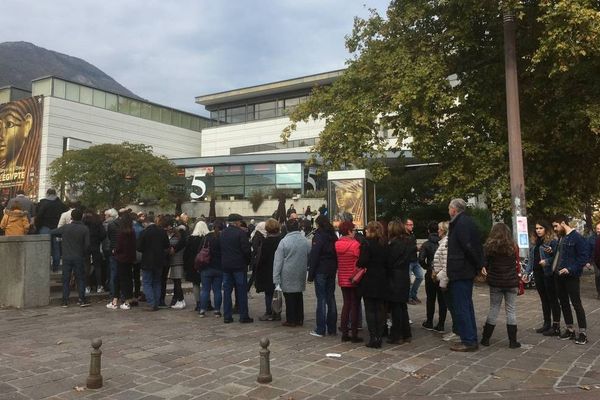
[
  {"x": 216, "y": 141},
  {"x": 63, "y": 118}
]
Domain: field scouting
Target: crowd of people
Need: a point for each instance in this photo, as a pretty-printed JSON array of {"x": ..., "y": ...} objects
[{"x": 127, "y": 252}]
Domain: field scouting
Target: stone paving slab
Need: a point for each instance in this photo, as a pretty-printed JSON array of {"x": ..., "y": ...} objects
[{"x": 45, "y": 353}]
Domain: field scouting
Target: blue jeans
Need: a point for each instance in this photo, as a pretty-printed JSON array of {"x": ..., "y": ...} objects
[
  {"x": 152, "y": 285},
  {"x": 211, "y": 279},
  {"x": 418, "y": 271},
  {"x": 237, "y": 279},
  {"x": 462, "y": 296},
  {"x": 54, "y": 247},
  {"x": 73, "y": 264},
  {"x": 326, "y": 307},
  {"x": 114, "y": 274}
]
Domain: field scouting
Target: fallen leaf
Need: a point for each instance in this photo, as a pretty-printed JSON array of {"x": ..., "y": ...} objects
[
  {"x": 79, "y": 388},
  {"x": 585, "y": 387},
  {"x": 59, "y": 342}
]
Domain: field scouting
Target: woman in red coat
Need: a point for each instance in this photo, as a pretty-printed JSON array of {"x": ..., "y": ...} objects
[{"x": 348, "y": 252}]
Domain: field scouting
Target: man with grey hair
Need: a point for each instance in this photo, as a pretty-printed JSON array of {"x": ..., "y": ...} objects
[{"x": 465, "y": 259}]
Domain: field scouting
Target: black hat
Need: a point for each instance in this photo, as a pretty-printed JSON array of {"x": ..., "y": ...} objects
[{"x": 234, "y": 218}]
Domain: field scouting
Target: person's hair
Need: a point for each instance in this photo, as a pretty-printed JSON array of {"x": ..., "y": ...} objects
[
  {"x": 201, "y": 229},
  {"x": 272, "y": 226},
  {"x": 76, "y": 214},
  {"x": 150, "y": 218},
  {"x": 292, "y": 225},
  {"x": 548, "y": 234},
  {"x": 346, "y": 228},
  {"x": 459, "y": 204},
  {"x": 396, "y": 230},
  {"x": 50, "y": 192},
  {"x": 374, "y": 230},
  {"x": 444, "y": 225},
  {"x": 126, "y": 223},
  {"x": 218, "y": 226},
  {"x": 111, "y": 212},
  {"x": 243, "y": 224},
  {"x": 432, "y": 227},
  {"x": 558, "y": 218},
  {"x": 500, "y": 241},
  {"x": 323, "y": 223}
]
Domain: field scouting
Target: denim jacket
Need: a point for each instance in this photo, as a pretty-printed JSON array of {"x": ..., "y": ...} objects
[
  {"x": 573, "y": 254},
  {"x": 548, "y": 257}
]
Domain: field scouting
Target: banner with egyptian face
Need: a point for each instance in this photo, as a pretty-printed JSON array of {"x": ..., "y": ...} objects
[
  {"x": 348, "y": 198},
  {"x": 20, "y": 142}
]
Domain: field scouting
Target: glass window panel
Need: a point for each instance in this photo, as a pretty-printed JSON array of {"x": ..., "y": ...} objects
[
  {"x": 289, "y": 186},
  {"x": 195, "y": 121},
  {"x": 289, "y": 179},
  {"x": 254, "y": 169},
  {"x": 185, "y": 121},
  {"x": 176, "y": 118},
  {"x": 111, "y": 102},
  {"x": 229, "y": 180},
  {"x": 134, "y": 108},
  {"x": 260, "y": 179},
  {"x": 250, "y": 113},
  {"x": 59, "y": 88},
  {"x": 165, "y": 116},
  {"x": 99, "y": 98},
  {"x": 292, "y": 102},
  {"x": 123, "y": 105},
  {"x": 86, "y": 95},
  {"x": 146, "y": 111},
  {"x": 43, "y": 87},
  {"x": 155, "y": 113},
  {"x": 229, "y": 190},
  {"x": 72, "y": 91},
  {"x": 295, "y": 167},
  {"x": 265, "y": 106},
  {"x": 266, "y": 190},
  {"x": 264, "y": 114},
  {"x": 237, "y": 110},
  {"x": 228, "y": 170}
]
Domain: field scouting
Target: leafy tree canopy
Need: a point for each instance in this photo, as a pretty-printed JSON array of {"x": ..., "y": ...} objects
[
  {"x": 113, "y": 175},
  {"x": 431, "y": 73}
]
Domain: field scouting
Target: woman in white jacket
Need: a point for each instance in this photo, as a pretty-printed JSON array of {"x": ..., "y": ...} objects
[{"x": 439, "y": 274}]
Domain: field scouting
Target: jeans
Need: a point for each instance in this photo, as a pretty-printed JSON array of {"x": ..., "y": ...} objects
[
  {"x": 114, "y": 276},
  {"x": 417, "y": 270},
  {"x": 73, "y": 264},
  {"x": 326, "y": 307},
  {"x": 547, "y": 291},
  {"x": 152, "y": 285},
  {"x": 567, "y": 288},
  {"x": 212, "y": 279},
  {"x": 376, "y": 316},
  {"x": 294, "y": 308},
  {"x": 462, "y": 297},
  {"x": 350, "y": 308},
  {"x": 433, "y": 291},
  {"x": 269, "y": 301},
  {"x": 510, "y": 299},
  {"x": 238, "y": 280},
  {"x": 54, "y": 247},
  {"x": 450, "y": 304}
]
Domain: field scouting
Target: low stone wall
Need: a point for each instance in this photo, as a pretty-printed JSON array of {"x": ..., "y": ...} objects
[{"x": 25, "y": 271}]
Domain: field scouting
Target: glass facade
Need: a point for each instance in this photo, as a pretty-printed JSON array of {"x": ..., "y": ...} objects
[
  {"x": 273, "y": 146},
  {"x": 256, "y": 111},
  {"x": 98, "y": 98}
]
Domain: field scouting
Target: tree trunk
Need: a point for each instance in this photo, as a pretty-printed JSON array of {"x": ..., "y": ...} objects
[{"x": 589, "y": 217}]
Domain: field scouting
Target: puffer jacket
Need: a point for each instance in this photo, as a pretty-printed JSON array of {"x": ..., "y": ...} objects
[
  {"x": 348, "y": 252},
  {"x": 15, "y": 223},
  {"x": 502, "y": 271},
  {"x": 440, "y": 261}
]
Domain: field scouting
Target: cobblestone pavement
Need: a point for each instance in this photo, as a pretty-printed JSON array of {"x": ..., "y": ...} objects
[{"x": 45, "y": 353}]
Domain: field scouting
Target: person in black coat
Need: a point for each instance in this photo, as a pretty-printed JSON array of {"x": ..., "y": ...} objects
[
  {"x": 465, "y": 259},
  {"x": 47, "y": 216},
  {"x": 373, "y": 285},
  {"x": 432, "y": 288},
  {"x": 154, "y": 246},
  {"x": 97, "y": 234},
  {"x": 399, "y": 254},
  {"x": 263, "y": 269},
  {"x": 322, "y": 271}
]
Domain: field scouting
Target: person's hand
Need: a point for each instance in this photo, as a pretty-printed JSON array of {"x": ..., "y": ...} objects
[
  {"x": 563, "y": 271},
  {"x": 588, "y": 266},
  {"x": 543, "y": 263},
  {"x": 548, "y": 250},
  {"x": 483, "y": 271}
]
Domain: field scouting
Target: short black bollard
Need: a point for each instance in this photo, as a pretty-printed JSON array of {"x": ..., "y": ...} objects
[
  {"x": 264, "y": 376},
  {"x": 94, "y": 381}
]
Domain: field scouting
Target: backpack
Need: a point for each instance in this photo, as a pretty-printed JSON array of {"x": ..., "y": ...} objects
[{"x": 202, "y": 259}]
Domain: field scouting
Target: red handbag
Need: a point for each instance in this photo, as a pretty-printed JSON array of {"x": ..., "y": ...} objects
[{"x": 357, "y": 275}]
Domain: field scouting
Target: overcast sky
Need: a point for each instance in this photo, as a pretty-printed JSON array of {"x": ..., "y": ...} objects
[{"x": 171, "y": 51}]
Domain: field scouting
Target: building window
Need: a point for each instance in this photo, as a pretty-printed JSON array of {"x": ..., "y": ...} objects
[{"x": 72, "y": 91}]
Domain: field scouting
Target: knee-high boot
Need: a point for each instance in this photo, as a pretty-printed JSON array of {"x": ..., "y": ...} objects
[
  {"x": 488, "y": 329},
  {"x": 512, "y": 336}
]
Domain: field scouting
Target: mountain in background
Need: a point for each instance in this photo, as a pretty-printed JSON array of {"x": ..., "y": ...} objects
[{"x": 21, "y": 62}]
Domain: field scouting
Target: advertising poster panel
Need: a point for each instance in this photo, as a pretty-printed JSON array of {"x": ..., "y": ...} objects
[
  {"x": 348, "y": 197},
  {"x": 20, "y": 142}
]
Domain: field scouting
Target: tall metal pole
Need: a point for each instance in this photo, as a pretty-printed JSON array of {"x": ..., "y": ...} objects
[{"x": 515, "y": 150}]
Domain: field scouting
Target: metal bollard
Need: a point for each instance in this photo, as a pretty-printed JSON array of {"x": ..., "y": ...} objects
[
  {"x": 94, "y": 380},
  {"x": 264, "y": 375}
]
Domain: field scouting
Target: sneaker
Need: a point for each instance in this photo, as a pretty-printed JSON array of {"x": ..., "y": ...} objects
[
  {"x": 428, "y": 325},
  {"x": 552, "y": 331},
  {"x": 315, "y": 334},
  {"x": 179, "y": 305},
  {"x": 88, "y": 290},
  {"x": 84, "y": 303},
  {"x": 218, "y": 314},
  {"x": 266, "y": 317},
  {"x": 439, "y": 329},
  {"x": 64, "y": 304},
  {"x": 581, "y": 339},
  {"x": 567, "y": 335},
  {"x": 449, "y": 337},
  {"x": 410, "y": 321},
  {"x": 201, "y": 313},
  {"x": 100, "y": 289},
  {"x": 125, "y": 306},
  {"x": 112, "y": 306}
]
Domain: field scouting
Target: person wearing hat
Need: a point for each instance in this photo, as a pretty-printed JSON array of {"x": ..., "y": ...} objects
[{"x": 235, "y": 257}]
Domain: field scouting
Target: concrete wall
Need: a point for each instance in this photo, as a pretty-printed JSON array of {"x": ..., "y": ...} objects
[
  {"x": 64, "y": 118},
  {"x": 25, "y": 271}
]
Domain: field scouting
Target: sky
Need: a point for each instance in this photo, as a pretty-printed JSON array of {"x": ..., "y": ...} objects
[{"x": 169, "y": 52}]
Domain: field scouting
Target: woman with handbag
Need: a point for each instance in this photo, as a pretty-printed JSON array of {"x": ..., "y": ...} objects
[
  {"x": 500, "y": 269},
  {"x": 177, "y": 239},
  {"x": 348, "y": 251},
  {"x": 398, "y": 274},
  {"x": 263, "y": 267},
  {"x": 192, "y": 247},
  {"x": 372, "y": 287},
  {"x": 212, "y": 274}
]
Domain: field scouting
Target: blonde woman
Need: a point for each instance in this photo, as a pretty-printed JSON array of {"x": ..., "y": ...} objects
[{"x": 440, "y": 276}]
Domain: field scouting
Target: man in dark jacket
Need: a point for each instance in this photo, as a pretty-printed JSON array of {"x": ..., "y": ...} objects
[
  {"x": 75, "y": 245},
  {"x": 414, "y": 265},
  {"x": 432, "y": 289},
  {"x": 465, "y": 259},
  {"x": 235, "y": 257},
  {"x": 154, "y": 245},
  {"x": 48, "y": 214}
]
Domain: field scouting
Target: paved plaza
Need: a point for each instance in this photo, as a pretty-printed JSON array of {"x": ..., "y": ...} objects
[{"x": 45, "y": 353}]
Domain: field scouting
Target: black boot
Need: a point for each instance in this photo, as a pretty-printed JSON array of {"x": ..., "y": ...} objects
[
  {"x": 543, "y": 328},
  {"x": 372, "y": 342},
  {"x": 554, "y": 330},
  {"x": 487, "y": 334},
  {"x": 512, "y": 337}
]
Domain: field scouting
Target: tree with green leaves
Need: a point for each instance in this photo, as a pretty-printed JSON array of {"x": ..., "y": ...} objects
[
  {"x": 431, "y": 73},
  {"x": 114, "y": 175}
]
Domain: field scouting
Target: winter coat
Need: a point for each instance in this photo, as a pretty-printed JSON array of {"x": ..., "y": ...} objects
[
  {"x": 15, "y": 223},
  {"x": 465, "y": 253},
  {"x": 323, "y": 257},
  {"x": 192, "y": 247},
  {"x": 263, "y": 272},
  {"x": 374, "y": 282},
  {"x": 25, "y": 205},
  {"x": 573, "y": 253},
  {"x": 112, "y": 231},
  {"x": 153, "y": 244},
  {"x": 290, "y": 263},
  {"x": 348, "y": 252},
  {"x": 75, "y": 239},
  {"x": 235, "y": 249},
  {"x": 399, "y": 254},
  {"x": 440, "y": 260},
  {"x": 49, "y": 211},
  {"x": 428, "y": 250},
  {"x": 125, "y": 250},
  {"x": 502, "y": 271},
  {"x": 548, "y": 257},
  {"x": 97, "y": 233}
]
